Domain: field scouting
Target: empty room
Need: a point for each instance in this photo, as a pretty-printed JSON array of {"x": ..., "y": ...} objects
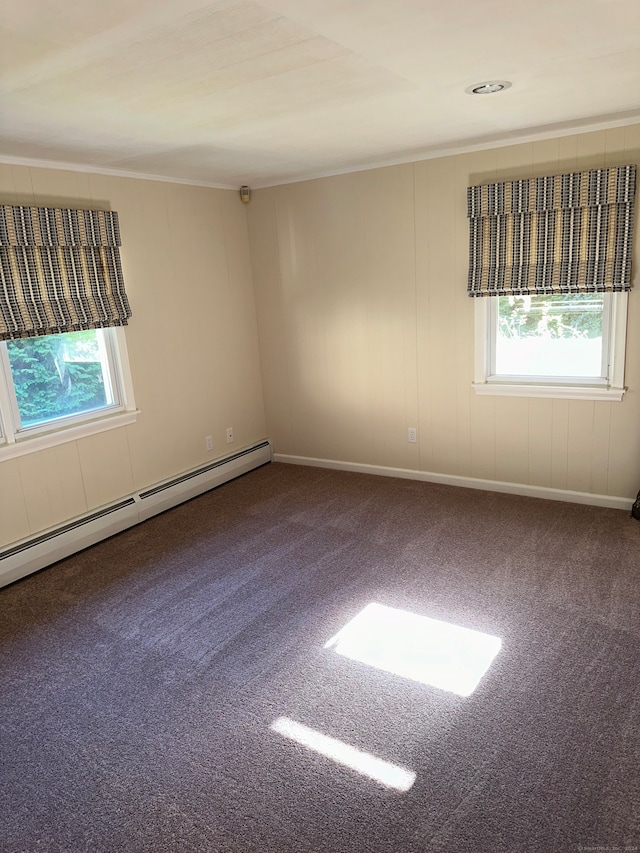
[{"x": 319, "y": 427}]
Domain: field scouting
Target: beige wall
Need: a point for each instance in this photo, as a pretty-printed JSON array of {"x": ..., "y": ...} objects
[
  {"x": 192, "y": 343},
  {"x": 366, "y": 329}
]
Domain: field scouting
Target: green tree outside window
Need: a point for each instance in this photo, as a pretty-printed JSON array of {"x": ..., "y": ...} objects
[{"x": 56, "y": 375}]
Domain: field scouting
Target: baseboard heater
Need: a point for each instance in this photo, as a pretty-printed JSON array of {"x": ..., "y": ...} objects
[{"x": 34, "y": 553}]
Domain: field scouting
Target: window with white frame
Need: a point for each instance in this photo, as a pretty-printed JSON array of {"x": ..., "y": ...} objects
[
  {"x": 551, "y": 259},
  {"x": 52, "y": 383},
  {"x": 64, "y": 369},
  {"x": 562, "y": 345}
]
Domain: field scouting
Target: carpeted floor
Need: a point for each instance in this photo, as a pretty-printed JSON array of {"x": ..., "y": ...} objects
[{"x": 139, "y": 679}]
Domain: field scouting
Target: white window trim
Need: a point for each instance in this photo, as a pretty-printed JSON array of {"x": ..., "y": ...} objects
[
  {"x": 59, "y": 432},
  {"x": 571, "y": 389}
]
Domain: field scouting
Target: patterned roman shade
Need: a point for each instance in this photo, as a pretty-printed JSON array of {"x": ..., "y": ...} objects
[
  {"x": 561, "y": 234},
  {"x": 59, "y": 271}
]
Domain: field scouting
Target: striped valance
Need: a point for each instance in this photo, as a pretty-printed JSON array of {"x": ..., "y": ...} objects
[
  {"x": 561, "y": 234},
  {"x": 59, "y": 271}
]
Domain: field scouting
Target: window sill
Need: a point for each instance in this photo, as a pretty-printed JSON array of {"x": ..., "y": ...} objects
[
  {"x": 34, "y": 443},
  {"x": 561, "y": 392}
]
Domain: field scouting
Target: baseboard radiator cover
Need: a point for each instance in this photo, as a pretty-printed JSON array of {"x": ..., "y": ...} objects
[{"x": 37, "y": 552}]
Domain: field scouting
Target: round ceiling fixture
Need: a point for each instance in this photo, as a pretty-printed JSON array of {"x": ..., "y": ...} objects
[{"x": 489, "y": 87}]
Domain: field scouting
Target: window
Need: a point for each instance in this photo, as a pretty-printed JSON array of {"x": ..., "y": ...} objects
[
  {"x": 559, "y": 345},
  {"x": 55, "y": 388},
  {"x": 64, "y": 370},
  {"x": 550, "y": 271}
]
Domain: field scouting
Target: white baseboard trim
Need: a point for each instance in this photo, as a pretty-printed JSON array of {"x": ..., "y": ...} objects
[
  {"x": 543, "y": 492},
  {"x": 48, "y": 546}
]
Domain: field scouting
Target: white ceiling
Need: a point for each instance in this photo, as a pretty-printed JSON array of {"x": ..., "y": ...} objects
[{"x": 261, "y": 92}]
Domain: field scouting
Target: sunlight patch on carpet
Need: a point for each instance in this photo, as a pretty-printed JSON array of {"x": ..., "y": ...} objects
[
  {"x": 384, "y": 772},
  {"x": 432, "y": 652}
]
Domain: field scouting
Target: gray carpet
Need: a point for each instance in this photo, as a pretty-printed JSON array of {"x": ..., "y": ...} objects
[{"x": 139, "y": 679}]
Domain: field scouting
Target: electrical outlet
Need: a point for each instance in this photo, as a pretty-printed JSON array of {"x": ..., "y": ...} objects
[
  {"x": 229, "y": 435},
  {"x": 208, "y": 442},
  {"x": 412, "y": 435}
]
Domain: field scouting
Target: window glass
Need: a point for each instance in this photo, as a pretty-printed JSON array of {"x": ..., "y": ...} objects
[
  {"x": 550, "y": 336},
  {"x": 58, "y": 376}
]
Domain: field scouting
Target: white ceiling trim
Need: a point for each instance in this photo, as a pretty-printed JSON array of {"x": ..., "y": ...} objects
[
  {"x": 514, "y": 138},
  {"x": 501, "y": 141},
  {"x": 109, "y": 172}
]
